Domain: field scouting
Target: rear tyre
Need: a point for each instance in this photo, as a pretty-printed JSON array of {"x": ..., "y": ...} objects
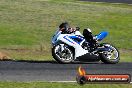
[
  {"x": 110, "y": 57},
  {"x": 62, "y": 53}
]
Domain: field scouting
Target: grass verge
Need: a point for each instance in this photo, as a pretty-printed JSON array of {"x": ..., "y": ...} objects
[{"x": 59, "y": 85}]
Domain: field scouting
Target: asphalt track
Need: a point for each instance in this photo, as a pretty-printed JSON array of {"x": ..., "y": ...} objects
[
  {"x": 52, "y": 71},
  {"x": 111, "y": 1}
]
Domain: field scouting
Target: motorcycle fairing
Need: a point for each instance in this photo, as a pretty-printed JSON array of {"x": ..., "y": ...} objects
[
  {"x": 66, "y": 39},
  {"x": 75, "y": 41}
]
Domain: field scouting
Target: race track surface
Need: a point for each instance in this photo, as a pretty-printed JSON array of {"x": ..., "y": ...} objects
[
  {"x": 52, "y": 71},
  {"x": 111, "y": 1}
]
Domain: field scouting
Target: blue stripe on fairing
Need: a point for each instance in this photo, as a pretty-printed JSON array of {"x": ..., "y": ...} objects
[
  {"x": 80, "y": 37},
  {"x": 77, "y": 36},
  {"x": 68, "y": 40}
]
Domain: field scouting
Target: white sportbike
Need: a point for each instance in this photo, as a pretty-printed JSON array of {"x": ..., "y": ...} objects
[{"x": 74, "y": 47}]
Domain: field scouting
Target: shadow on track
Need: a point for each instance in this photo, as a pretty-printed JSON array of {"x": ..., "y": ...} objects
[{"x": 48, "y": 61}]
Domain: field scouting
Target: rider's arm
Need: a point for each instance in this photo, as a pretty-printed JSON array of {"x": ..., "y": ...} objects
[{"x": 77, "y": 32}]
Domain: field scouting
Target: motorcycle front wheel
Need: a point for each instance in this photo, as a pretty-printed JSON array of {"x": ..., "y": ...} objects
[
  {"x": 111, "y": 56},
  {"x": 62, "y": 53}
]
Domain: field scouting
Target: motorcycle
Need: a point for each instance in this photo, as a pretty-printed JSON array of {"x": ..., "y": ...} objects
[{"x": 74, "y": 47}]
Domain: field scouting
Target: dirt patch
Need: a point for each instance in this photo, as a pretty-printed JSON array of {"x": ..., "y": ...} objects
[{"x": 4, "y": 56}]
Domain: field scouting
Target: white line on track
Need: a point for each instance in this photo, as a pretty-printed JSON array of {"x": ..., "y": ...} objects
[
  {"x": 69, "y": 81},
  {"x": 63, "y": 81}
]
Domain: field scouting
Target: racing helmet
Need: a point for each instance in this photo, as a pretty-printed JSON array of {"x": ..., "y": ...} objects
[{"x": 64, "y": 27}]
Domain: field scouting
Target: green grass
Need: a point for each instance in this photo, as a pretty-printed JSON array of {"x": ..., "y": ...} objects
[
  {"x": 30, "y": 24},
  {"x": 59, "y": 85}
]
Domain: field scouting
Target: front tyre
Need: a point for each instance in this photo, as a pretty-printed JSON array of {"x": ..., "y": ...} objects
[
  {"x": 62, "y": 53},
  {"x": 111, "y": 56}
]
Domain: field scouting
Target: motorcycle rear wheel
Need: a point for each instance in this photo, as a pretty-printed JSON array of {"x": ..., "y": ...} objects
[{"x": 110, "y": 57}]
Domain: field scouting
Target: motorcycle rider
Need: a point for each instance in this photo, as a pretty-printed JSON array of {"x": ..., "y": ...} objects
[{"x": 65, "y": 28}]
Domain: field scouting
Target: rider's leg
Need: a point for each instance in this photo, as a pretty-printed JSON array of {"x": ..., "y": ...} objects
[{"x": 89, "y": 37}]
